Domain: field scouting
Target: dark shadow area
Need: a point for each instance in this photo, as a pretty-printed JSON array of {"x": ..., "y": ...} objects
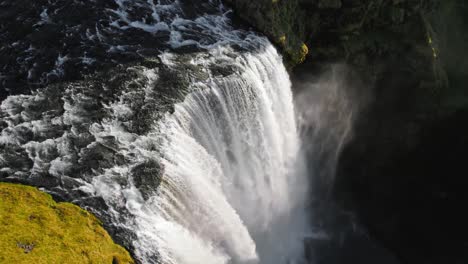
[
  {"x": 403, "y": 172},
  {"x": 329, "y": 98},
  {"x": 413, "y": 201}
]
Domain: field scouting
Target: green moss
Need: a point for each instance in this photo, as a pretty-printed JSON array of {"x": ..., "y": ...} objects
[
  {"x": 296, "y": 54},
  {"x": 36, "y": 229},
  {"x": 282, "y": 41},
  {"x": 299, "y": 55}
]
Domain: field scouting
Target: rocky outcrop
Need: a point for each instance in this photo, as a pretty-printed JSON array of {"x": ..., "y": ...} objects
[
  {"x": 282, "y": 21},
  {"x": 36, "y": 229}
]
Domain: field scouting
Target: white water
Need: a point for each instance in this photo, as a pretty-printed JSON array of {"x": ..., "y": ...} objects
[{"x": 233, "y": 187}]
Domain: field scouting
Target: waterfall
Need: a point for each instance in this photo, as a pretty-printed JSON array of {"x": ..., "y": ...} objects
[
  {"x": 190, "y": 156},
  {"x": 232, "y": 188}
]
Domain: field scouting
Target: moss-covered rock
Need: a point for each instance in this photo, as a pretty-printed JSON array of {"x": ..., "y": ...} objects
[{"x": 36, "y": 229}]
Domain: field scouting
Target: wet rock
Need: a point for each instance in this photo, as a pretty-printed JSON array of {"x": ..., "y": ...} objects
[
  {"x": 147, "y": 177},
  {"x": 333, "y": 4}
]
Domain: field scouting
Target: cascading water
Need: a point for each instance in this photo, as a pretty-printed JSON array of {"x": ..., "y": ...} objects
[
  {"x": 232, "y": 147},
  {"x": 232, "y": 190},
  {"x": 204, "y": 171}
]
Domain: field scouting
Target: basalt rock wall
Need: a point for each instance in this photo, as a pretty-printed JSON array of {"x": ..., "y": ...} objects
[{"x": 401, "y": 171}]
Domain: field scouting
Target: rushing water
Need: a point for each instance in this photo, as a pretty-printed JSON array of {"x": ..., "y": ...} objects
[
  {"x": 232, "y": 190},
  {"x": 227, "y": 181},
  {"x": 230, "y": 178}
]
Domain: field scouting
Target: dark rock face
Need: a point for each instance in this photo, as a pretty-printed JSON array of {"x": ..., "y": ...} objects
[
  {"x": 329, "y": 4},
  {"x": 404, "y": 169},
  {"x": 411, "y": 196},
  {"x": 402, "y": 172},
  {"x": 357, "y": 31},
  {"x": 281, "y": 21}
]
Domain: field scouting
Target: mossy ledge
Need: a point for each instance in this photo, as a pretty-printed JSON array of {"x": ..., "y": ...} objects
[{"x": 36, "y": 229}]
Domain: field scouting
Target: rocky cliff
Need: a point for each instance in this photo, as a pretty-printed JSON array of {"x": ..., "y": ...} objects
[
  {"x": 403, "y": 169},
  {"x": 400, "y": 170},
  {"x": 281, "y": 21}
]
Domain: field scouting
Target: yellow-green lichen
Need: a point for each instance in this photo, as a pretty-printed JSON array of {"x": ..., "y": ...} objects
[
  {"x": 296, "y": 54},
  {"x": 304, "y": 50},
  {"x": 36, "y": 229},
  {"x": 283, "y": 26},
  {"x": 282, "y": 41},
  {"x": 433, "y": 48},
  {"x": 299, "y": 54}
]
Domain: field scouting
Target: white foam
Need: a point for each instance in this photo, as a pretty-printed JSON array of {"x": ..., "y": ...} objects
[
  {"x": 231, "y": 191},
  {"x": 59, "y": 62},
  {"x": 45, "y": 18}
]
